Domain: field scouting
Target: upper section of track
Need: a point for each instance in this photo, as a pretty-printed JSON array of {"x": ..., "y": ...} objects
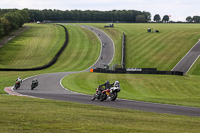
[
  {"x": 107, "y": 48},
  {"x": 189, "y": 59}
]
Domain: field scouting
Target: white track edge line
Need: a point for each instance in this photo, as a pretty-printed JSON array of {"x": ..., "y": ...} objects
[
  {"x": 193, "y": 64},
  {"x": 185, "y": 55}
]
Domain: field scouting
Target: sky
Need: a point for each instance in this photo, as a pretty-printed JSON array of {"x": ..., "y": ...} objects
[{"x": 177, "y": 9}]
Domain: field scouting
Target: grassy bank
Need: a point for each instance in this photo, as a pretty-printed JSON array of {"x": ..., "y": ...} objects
[
  {"x": 179, "y": 90},
  {"x": 82, "y": 51},
  {"x": 36, "y": 115},
  {"x": 161, "y": 50},
  {"x": 21, "y": 114},
  {"x": 34, "y": 47}
]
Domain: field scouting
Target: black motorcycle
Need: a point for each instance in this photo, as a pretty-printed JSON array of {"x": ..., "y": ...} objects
[{"x": 34, "y": 85}]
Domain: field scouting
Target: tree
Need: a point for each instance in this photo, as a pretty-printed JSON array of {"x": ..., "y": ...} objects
[
  {"x": 140, "y": 19},
  {"x": 196, "y": 19},
  {"x": 165, "y": 19},
  {"x": 20, "y": 19},
  {"x": 189, "y": 19},
  {"x": 1, "y": 29},
  {"x": 25, "y": 15},
  {"x": 13, "y": 19},
  {"x": 157, "y": 18},
  {"x": 6, "y": 25},
  {"x": 147, "y": 16}
]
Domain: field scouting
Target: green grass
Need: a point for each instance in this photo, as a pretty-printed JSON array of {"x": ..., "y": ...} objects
[
  {"x": 153, "y": 50},
  {"x": 160, "y": 50},
  {"x": 116, "y": 36},
  {"x": 39, "y": 115},
  {"x": 81, "y": 52},
  {"x": 21, "y": 114},
  {"x": 179, "y": 90},
  {"x": 32, "y": 48}
]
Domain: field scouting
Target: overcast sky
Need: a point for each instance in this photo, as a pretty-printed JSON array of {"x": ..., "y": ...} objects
[{"x": 178, "y": 9}]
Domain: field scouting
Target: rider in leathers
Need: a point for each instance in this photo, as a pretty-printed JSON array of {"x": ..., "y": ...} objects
[{"x": 106, "y": 84}]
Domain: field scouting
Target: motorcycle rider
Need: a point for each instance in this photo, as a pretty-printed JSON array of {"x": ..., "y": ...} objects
[
  {"x": 35, "y": 82},
  {"x": 106, "y": 84},
  {"x": 18, "y": 82},
  {"x": 116, "y": 84},
  {"x": 19, "y": 79}
]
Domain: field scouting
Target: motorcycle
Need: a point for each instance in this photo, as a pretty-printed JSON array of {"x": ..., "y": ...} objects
[
  {"x": 34, "y": 85},
  {"x": 98, "y": 93},
  {"x": 102, "y": 94},
  {"x": 17, "y": 85}
]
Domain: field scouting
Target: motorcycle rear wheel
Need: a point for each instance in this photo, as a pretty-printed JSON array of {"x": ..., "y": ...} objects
[
  {"x": 103, "y": 97},
  {"x": 16, "y": 86}
]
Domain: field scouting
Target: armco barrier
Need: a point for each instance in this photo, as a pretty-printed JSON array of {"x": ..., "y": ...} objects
[
  {"x": 46, "y": 65},
  {"x": 123, "y": 50},
  {"x": 138, "y": 71}
]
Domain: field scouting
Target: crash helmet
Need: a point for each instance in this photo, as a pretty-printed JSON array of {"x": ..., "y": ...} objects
[
  {"x": 116, "y": 84},
  {"x": 107, "y": 82}
]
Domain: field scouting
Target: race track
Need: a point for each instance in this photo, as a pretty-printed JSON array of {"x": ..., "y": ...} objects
[
  {"x": 50, "y": 87},
  {"x": 189, "y": 59}
]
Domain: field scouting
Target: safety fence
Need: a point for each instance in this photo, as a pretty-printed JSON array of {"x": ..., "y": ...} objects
[
  {"x": 53, "y": 61},
  {"x": 123, "y": 50},
  {"x": 137, "y": 71}
]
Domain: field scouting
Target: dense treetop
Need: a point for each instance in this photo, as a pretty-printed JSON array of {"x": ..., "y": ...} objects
[{"x": 11, "y": 19}]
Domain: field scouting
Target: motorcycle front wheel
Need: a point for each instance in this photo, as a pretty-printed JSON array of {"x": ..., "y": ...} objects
[
  {"x": 114, "y": 96},
  {"x": 93, "y": 97},
  {"x": 32, "y": 87}
]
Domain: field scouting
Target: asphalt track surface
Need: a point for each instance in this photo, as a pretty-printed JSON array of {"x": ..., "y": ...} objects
[
  {"x": 50, "y": 87},
  {"x": 189, "y": 59}
]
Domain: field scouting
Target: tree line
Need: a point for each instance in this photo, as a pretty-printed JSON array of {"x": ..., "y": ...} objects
[
  {"x": 131, "y": 16},
  {"x": 12, "y": 19},
  {"x": 195, "y": 19},
  {"x": 165, "y": 18}
]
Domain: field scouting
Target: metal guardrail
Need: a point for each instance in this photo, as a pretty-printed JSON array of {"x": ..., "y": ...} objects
[{"x": 123, "y": 50}]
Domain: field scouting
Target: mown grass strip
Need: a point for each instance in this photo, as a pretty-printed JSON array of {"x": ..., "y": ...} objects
[
  {"x": 33, "y": 48},
  {"x": 21, "y": 114},
  {"x": 79, "y": 55},
  {"x": 82, "y": 51},
  {"x": 152, "y": 88},
  {"x": 36, "y": 115},
  {"x": 153, "y": 50}
]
